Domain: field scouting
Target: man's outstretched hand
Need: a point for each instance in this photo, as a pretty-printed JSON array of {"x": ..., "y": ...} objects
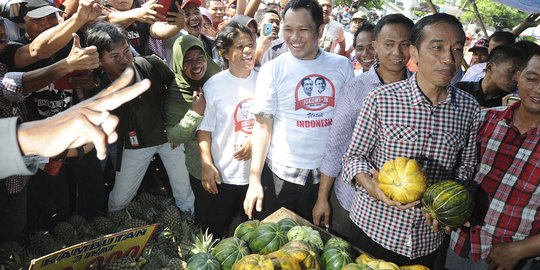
[{"x": 88, "y": 121}]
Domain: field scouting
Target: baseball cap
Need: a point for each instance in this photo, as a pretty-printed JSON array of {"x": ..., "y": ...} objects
[
  {"x": 196, "y": 2},
  {"x": 40, "y": 8},
  {"x": 359, "y": 15},
  {"x": 206, "y": 13},
  {"x": 481, "y": 44}
]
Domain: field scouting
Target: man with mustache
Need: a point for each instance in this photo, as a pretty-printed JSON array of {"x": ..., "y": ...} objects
[
  {"x": 394, "y": 30},
  {"x": 423, "y": 118}
]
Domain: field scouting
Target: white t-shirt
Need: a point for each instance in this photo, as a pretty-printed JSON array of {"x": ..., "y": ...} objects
[
  {"x": 302, "y": 111},
  {"x": 228, "y": 116},
  {"x": 332, "y": 34}
]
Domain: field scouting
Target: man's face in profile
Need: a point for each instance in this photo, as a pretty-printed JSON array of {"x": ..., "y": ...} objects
[{"x": 308, "y": 86}]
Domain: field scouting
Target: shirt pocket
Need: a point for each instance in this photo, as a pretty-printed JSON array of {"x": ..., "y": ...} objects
[{"x": 400, "y": 136}]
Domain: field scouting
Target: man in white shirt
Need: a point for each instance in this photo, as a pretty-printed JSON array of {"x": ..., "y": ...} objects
[
  {"x": 333, "y": 32},
  {"x": 291, "y": 129}
]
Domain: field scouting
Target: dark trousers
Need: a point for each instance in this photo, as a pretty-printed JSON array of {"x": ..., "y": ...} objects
[
  {"x": 12, "y": 214},
  {"x": 223, "y": 206},
  {"x": 280, "y": 193},
  {"x": 362, "y": 241},
  {"x": 202, "y": 197},
  {"x": 77, "y": 189}
]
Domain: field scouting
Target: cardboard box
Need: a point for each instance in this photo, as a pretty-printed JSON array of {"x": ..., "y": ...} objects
[{"x": 325, "y": 235}]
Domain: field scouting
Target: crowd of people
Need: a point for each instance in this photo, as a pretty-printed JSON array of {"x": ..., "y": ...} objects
[{"x": 254, "y": 106}]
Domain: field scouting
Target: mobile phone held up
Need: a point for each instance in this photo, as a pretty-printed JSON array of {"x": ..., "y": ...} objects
[
  {"x": 168, "y": 5},
  {"x": 267, "y": 29}
]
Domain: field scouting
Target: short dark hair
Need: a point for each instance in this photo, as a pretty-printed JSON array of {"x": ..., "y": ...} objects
[
  {"x": 312, "y": 6},
  {"x": 305, "y": 79},
  {"x": 528, "y": 58},
  {"x": 506, "y": 37},
  {"x": 225, "y": 38},
  {"x": 392, "y": 19},
  {"x": 366, "y": 27},
  {"x": 260, "y": 14},
  {"x": 504, "y": 53},
  {"x": 417, "y": 32},
  {"x": 320, "y": 79},
  {"x": 104, "y": 35},
  {"x": 526, "y": 46}
]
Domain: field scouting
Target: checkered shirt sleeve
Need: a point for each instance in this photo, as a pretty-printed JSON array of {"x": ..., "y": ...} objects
[
  {"x": 294, "y": 175},
  {"x": 12, "y": 89},
  {"x": 398, "y": 121},
  {"x": 508, "y": 197}
]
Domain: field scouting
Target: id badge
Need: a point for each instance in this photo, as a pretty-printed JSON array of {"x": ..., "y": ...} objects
[{"x": 133, "y": 139}]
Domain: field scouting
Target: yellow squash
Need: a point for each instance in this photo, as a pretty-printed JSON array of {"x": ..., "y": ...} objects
[{"x": 402, "y": 180}]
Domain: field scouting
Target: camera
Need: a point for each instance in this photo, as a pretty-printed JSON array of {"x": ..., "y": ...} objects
[{"x": 13, "y": 10}]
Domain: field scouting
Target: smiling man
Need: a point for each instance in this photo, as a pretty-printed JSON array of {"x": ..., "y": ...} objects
[
  {"x": 291, "y": 128},
  {"x": 505, "y": 230},
  {"x": 392, "y": 41},
  {"x": 422, "y": 118}
]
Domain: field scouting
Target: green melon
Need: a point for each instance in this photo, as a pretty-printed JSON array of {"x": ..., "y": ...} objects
[
  {"x": 449, "y": 202},
  {"x": 267, "y": 238}
]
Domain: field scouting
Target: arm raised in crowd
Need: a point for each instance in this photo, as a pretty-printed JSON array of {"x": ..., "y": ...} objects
[
  {"x": 251, "y": 8},
  {"x": 78, "y": 59},
  {"x": 169, "y": 28},
  {"x": 146, "y": 13},
  {"x": 55, "y": 38}
]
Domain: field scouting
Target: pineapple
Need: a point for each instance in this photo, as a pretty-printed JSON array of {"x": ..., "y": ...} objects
[
  {"x": 125, "y": 263},
  {"x": 176, "y": 264},
  {"x": 42, "y": 243},
  {"x": 103, "y": 225},
  {"x": 118, "y": 217},
  {"x": 77, "y": 221},
  {"x": 171, "y": 216},
  {"x": 64, "y": 233},
  {"x": 202, "y": 243}
]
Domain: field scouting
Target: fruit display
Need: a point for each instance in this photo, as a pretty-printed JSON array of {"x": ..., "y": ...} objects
[
  {"x": 402, "y": 180},
  {"x": 169, "y": 247},
  {"x": 179, "y": 244},
  {"x": 449, "y": 202}
]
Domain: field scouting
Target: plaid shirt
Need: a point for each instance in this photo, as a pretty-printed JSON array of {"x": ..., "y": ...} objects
[
  {"x": 398, "y": 121},
  {"x": 294, "y": 175},
  {"x": 12, "y": 104},
  {"x": 508, "y": 197}
]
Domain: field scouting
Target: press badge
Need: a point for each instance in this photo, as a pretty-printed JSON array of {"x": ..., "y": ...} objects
[{"x": 133, "y": 139}]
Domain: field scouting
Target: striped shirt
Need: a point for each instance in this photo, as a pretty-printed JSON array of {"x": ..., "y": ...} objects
[
  {"x": 508, "y": 197},
  {"x": 348, "y": 106},
  {"x": 398, "y": 121}
]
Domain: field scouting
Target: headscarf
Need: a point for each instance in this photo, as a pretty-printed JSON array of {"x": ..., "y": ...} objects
[{"x": 182, "y": 82}]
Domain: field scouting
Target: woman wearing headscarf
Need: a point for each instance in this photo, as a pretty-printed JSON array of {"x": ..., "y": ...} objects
[{"x": 184, "y": 108}]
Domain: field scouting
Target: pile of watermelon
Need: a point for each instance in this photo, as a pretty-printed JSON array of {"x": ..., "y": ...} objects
[{"x": 281, "y": 245}]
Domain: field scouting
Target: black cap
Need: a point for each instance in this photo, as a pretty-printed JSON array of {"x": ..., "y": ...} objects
[{"x": 40, "y": 8}]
